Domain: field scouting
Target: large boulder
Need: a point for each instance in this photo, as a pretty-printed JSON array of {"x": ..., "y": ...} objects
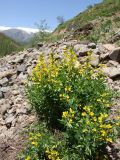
[
  {"x": 112, "y": 72},
  {"x": 115, "y": 54}
]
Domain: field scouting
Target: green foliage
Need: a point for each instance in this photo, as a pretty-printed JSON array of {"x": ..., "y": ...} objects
[
  {"x": 7, "y": 46},
  {"x": 42, "y": 145},
  {"x": 74, "y": 101}
]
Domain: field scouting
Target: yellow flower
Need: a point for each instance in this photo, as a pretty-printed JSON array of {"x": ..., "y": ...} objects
[
  {"x": 107, "y": 105},
  {"x": 94, "y": 119},
  {"x": 70, "y": 121},
  {"x": 71, "y": 111},
  {"x": 105, "y": 115},
  {"x": 98, "y": 100},
  {"x": 47, "y": 150},
  {"x": 77, "y": 64},
  {"x": 61, "y": 95},
  {"x": 108, "y": 126},
  {"x": 118, "y": 117},
  {"x": 109, "y": 140},
  {"x": 84, "y": 114},
  {"x": 49, "y": 156},
  {"x": 28, "y": 158},
  {"x": 87, "y": 108},
  {"x": 94, "y": 130},
  {"x": 68, "y": 88},
  {"x": 91, "y": 114},
  {"x": 34, "y": 143},
  {"x": 65, "y": 114},
  {"x": 67, "y": 97},
  {"x": 38, "y": 135},
  {"x": 85, "y": 130},
  {"x": 103, "y": 133},
  {"x": 117, "y": 124}
]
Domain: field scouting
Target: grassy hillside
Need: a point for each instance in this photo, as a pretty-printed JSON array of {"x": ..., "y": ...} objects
[
  {"x": 7, "y": 46},
  {"x": 96, "y": 23}
]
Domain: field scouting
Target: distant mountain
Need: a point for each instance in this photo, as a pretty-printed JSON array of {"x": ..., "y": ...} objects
[
  {"x": 19, "y": 34},
  {"x": 7, "y": 45}
]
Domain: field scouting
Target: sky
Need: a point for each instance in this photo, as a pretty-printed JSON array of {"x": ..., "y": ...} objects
[{"x": 25, "y": 13}]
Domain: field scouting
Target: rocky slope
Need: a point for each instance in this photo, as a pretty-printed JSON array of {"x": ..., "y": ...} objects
[
  {"x": 99, "y": 23},
  {"x": 15, "y": 115}
]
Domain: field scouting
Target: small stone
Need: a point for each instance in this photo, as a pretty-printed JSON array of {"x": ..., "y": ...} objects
[
  {"x": 9, "y": 119},
  {"x": 15, "y": 92},
  {"x": 4, "y": 81},
  {"x": 21, "y": 68},
  {"x": 112, "y": 63},
  {"x": 92, "y": 45},
  {"x": 4, "y": 108},
  {"x": 5, "y": 89},
  {"x": 94, "y": 61},
  {"x": 7, "y": 74}
]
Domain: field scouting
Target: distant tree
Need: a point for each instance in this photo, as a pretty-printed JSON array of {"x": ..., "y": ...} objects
[
  {"x": 43, "y": 27},
  {"x": 60, "y": 19},
  {"x": 43, "y": 33},
  {"x": 89, "y": 7}
]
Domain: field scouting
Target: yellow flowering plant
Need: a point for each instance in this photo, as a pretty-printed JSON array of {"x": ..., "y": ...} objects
[
  {"x": 73, "y": 97},
  {"x": 42, "y": 144}
]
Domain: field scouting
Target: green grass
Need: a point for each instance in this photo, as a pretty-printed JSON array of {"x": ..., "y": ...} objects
[
  {"x": 8, "y": 46},
  {"x": 105, "y": 9},
  {"x": 104, "y": 16}
]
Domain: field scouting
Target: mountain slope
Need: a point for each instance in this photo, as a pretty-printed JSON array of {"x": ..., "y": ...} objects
[
  {"x": 97, "y": 23},
  {"x": 7, "y": 46},
  {"x": 18, "y": 35}
]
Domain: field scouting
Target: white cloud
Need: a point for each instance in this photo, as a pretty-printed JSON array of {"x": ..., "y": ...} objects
[
  {"x": 28, "y": 30},
  {"x": 2, "y": 28}
]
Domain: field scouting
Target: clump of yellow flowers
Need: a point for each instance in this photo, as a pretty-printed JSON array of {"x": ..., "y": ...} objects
[
  {"x": 72, "y": 98},
  {"x": 52, "y": 154}
]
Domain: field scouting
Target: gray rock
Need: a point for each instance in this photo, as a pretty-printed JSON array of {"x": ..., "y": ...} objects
[
  {"x": 109, "y": 47},
  {"x": 3, "y": 81},
  {"x": 9, "y": 119},
  {"x": 104, "y": 56},
  {"x": 81, "y": 50},
  {"x": 112, "y": 72},
  {"x": 30, "y": 50},
  {"x": 15, "y": 92},
  {"x": 115, "y": 54},
  {"x": 96, "y": 51},
  {"x": 4, "y": 108},
  {"x": 19, "y": 58},
  {"x": 4, "y": 89},
  {"x": 21, "y": 68},
  {"x": 7, "y": 74},
  {"x": 94, "y": 61},
  {"x": 22, "y": 110},
  {"x": 112, "y": 63}
]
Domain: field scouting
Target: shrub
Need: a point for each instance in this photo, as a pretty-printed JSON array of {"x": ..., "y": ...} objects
[
  {"x": 72, "y": 97},
  {"x": 42, "y": 145}
]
